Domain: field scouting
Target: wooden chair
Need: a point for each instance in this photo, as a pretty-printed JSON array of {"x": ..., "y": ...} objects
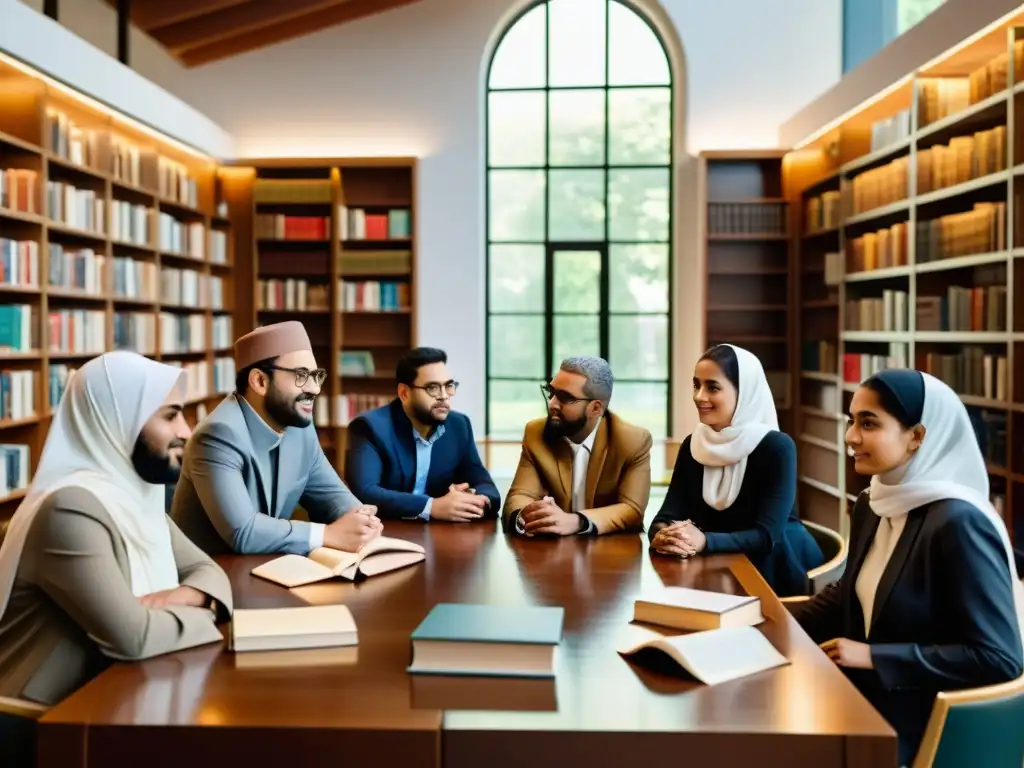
[
  {"x": 833, "y": 547},
  {"x": 979, "y": 727},
  {"x": 18, "y": 732}
]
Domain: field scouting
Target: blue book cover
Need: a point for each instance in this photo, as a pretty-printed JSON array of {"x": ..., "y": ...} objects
[{"x": 462, "y": 623}]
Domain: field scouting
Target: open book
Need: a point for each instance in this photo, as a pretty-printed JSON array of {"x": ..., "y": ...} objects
[
  {"x": 380, "y": 555},
  {"x": 713, "y": 656}
]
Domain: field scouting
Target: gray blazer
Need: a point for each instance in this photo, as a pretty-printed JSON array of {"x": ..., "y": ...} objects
[
  {"x": 223, "y": 501},
  {"x": 72, "y": 610}
]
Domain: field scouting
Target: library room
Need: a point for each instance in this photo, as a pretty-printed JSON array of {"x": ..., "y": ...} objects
[{"x": 663, "y": 361}]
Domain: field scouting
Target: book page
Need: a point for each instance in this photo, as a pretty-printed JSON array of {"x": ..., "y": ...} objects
[
  {"x": 334, "y": 560},
  {"x": 292, "y": 571},
  {"x": 714, "y": 656}
]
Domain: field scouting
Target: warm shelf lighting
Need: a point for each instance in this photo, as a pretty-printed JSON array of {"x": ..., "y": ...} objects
[
  {"x": 907, "y": 79},
  {"x": 102, "y": 108}
]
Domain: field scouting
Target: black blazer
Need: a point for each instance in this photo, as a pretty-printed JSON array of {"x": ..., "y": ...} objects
[
  {"x": 943, "y": 616},
  {"x": 762, "y": 523},
  {"x": 380, "y": 467}
]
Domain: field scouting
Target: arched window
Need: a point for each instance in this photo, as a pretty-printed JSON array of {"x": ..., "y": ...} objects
[{"x": 579, "y": 206}]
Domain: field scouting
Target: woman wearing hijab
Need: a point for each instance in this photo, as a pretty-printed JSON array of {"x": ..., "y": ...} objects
[
  {"x": 930, "y": 600},
  {"x": 733, "y": 488},
  {"x": 91, "y": 568}
]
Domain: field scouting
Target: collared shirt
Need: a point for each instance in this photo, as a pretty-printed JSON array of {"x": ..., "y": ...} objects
[
  {"x": 266, "y": 443},
  {"x": 424, "y": 448},
  {"x": 578, "y": 490}
]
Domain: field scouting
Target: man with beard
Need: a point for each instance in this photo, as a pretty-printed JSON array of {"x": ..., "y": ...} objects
[
  {"x": 583, "y": 470},
  {"x": 415, "y": 458},
  {"x": 256, "y": 457},
  {"x": 91, "y": 569}
]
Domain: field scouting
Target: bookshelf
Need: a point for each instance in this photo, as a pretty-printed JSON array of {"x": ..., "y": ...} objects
[
  {"x": 330, "y": 242},
  {"x": 909, "y": 253},
  {"x": 112, "y": 236},
  {"x": 747, "y": 261}
]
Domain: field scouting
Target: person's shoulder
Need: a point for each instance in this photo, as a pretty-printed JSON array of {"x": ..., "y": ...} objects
[
  {"x": 533, "y": 432},
  {"x": 223, "y": 421},
  {"x": 776, "y": 443},
  {"x": 71, "y": 513},
  {"x": 956, "y": 516},
  {"x": 628, "y": 434},
  {"x": 376, "y": 419}
]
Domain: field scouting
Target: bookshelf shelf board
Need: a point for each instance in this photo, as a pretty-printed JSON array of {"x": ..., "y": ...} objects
[
  {"x": 748, "y": 237},
  {"x": 962, "y": 262},
  {"x": 821, "y": 233},
  {"x": 883, "y": 273},
  {"x": 876, "y": 337},
  {"x": 823, "y": 487},
  {"x": 901, "y": 206},
  {"x": 957, "y": 122},
  {"x": 864, "y": 162},
  {"x": 820, "y": 443},
  {"x": 829, "y": 378},
  {"x": 964, "y": 188},
  {"x": 821, "y": 413}
]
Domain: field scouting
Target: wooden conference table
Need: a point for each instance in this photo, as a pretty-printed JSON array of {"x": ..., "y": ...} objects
[{"x": 205, "y": 706}]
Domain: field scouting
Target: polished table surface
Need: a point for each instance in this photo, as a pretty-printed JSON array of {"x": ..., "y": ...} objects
[{"x": 600, "y": 710}]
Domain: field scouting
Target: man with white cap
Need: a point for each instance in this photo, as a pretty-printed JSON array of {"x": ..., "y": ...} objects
[{"x": 255, "y": 458}]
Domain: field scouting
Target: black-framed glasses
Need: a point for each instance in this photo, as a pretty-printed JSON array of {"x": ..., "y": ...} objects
[
  {"x": 434, "y": 389},
  {"x": 563, "y": 397},
  {"x": 302, "y": 375}
]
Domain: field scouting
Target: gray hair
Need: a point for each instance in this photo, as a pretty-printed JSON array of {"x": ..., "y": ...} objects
[{"x": 598, "y": 372}]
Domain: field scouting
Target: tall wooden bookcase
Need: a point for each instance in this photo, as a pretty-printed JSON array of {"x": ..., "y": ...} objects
[
  {"x": 112, "y": 236},
  {"x": 747, "y": 262},
  {"x": 910, "y": 252},
  {"x": 330, "y": 242}
]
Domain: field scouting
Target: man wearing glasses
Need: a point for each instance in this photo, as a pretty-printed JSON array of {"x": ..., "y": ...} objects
[
  {"x": 583, "y": 470},
  {"x": 254, "y": 459},
  {"x": 416, "y": 458}
]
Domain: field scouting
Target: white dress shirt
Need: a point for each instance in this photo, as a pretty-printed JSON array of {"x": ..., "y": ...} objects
[
  {"x": 879, "y": 553},
  {"x": 578, "y": 486}
]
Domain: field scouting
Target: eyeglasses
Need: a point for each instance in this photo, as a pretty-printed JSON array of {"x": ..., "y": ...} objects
[
  {"x": 302, "y": 375},
  {"x": 434, "y": 389},
  {"x": 565, "y": 398}
]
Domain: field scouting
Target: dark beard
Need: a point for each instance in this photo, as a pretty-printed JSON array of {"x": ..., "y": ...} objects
[
  {"x": 426, "y": 417},
  {"x": 285, "y": 410},
  {"x": 154, "y": 467},
  {"x": 556, "y": 430}
]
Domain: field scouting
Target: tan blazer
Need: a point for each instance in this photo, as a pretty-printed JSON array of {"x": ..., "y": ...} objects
[
  {"x": 72, "y": 609},
  {"x": 618, "y": 475}
]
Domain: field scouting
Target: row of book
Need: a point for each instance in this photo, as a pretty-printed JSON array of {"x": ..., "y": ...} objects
[
  {"x": 360, "y": 224},
  {"x": 188, "y": 288},
  {"x": 376, "y": 263},
  {"x": 291, "y": 191},
  {"x": 14, "y": 468},
  {"x": 993, "y": 76},
  {"x": 990, "y": 427},
  {"x": 180, "y": 237},
  {"x": 83, "y": 209},
  {"x": 373, "y": 296},
  {"x": 886, "y": 247},
  {"x": 76, "y": 269},
  {"x": 131, "y": 223},
  {"x": 17, "y": 395},
  {"x": 292, "y": 295},
  {"x": 890, "y": 130},
  {"x": 979, "y": 230},
  {"x": 858, "y": 366},
  {"x": 880, "y": 186},
  {"x": 971, "y": 371},
  {"x": 885, "y": 313},
  {"x": 356, "y": 362},
  {"x": 137, "y": 331},
  {"x": 823, "y": 211},
  {"x": 70, "y": 140},
  {"x": 19, "y": 263},
  {"x": 978, "y": 308},
  {"x": 18, "y": 188},
  {"x": 963, "y": 159},
  {"x": 278, "y": 226},
  {"x": 819, "y": 356},
  {"x": 941, "y": 97},
  {"x": 747, "y": 219}
]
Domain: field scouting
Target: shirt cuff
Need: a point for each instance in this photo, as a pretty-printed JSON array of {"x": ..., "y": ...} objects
[
  {"x": 425, "y": 514},
  {"x": 316, "y": 535},
  {"x": 589, "y": 527},
  {"x": 520, "y": 527}
]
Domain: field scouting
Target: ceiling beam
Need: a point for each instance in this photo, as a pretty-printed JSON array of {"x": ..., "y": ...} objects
[
  {"x": 150, "y": 15},
  {"x": 304, "y": 25},
  {"x": 237, "y": 20}
]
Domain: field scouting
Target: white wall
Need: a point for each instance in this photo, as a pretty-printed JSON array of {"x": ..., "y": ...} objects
[{"x": 408, "y": 82}]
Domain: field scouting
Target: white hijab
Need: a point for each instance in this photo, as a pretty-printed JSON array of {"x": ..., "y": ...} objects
[
  {"x": 89, "y": 445},
  {"x": 948, "y": 465},
  {"x": 724, "y": 453}
]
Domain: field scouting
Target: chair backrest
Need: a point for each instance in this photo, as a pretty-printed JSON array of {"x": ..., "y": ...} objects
[
  {"x": 980, "y": 727},
  {"x": 833, "y": 547}
]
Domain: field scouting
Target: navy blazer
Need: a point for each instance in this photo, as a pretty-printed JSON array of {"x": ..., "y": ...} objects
[
  {"x": 762, "y": 522},
  {"x": 381, "y": 464},
  {"x": 943, "y": 617}
]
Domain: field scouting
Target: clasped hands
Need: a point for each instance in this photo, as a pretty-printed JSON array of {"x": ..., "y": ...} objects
[
  {"x": 354, "y": 529},
  {"x": 681, "y": 539},
  {"x": 544, "y": 517},
  {"x": 461, "y": 504}
]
